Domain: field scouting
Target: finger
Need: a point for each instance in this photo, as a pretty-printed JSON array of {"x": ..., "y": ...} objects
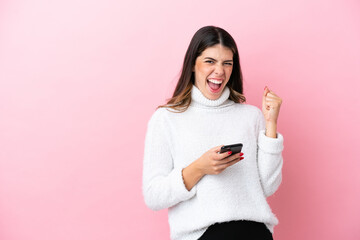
[
  {"x": 272, "y": 99},
  {"x": 273, "y": 103},
  {"x": 236, "y": 155},
  {"x": 232, "y": 162},
  {"x": 271, "y": 94},
  {"x": 231, "y": 158},
  {"x": 275, "y": 100},
  {"x": 235, "y": 161},
  {"x": 269, "y": 89},
  {"x": 220, "y": 156},
  {"x": 225, "y": 157}
]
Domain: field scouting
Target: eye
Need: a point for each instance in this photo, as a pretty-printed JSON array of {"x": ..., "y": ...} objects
[
  {"x": 209, "y": 61},
  {"x": 229, "y": 63}
]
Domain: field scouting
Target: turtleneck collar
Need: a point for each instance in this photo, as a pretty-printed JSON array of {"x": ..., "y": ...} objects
[{"x": 197, "y": 98}]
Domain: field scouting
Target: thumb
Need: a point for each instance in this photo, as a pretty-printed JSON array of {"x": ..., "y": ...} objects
[
  {"x": 217, "y": 149},
  {"x": 266, "y": 91}
]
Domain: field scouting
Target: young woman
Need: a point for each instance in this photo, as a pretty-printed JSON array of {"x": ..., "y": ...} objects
[{"x": 212, "y": 195}]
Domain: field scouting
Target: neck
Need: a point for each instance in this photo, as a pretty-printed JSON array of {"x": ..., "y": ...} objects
[{"x": 198, "y": 98}]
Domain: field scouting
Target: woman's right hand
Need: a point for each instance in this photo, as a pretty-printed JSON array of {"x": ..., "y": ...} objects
[{"x": 212, "y": 162}]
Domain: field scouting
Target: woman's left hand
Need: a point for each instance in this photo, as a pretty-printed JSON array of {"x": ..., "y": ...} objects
[{"x": 271, "y": 106}]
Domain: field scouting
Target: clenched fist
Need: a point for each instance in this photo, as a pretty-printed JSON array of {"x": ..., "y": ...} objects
[{"x": 271, "y": 106}]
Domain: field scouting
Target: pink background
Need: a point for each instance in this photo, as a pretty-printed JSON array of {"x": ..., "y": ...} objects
[{"x": 79, "y": 80}]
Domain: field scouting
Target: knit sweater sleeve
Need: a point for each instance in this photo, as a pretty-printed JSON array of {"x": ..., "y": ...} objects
[
  {"x": 269, "y": 158},
  {"x": 163, "y": 185}
]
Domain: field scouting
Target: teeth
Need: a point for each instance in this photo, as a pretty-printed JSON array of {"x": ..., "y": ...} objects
[{"x": 215, "y": 81}]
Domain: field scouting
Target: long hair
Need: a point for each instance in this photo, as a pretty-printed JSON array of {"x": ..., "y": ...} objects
[{"x": 206, "y": 37}]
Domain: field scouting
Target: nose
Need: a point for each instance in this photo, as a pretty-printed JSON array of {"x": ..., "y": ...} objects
[{"x": 219, "y": 69}]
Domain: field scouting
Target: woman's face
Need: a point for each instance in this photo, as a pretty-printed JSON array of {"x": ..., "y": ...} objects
[{"x": 212, "y": 70}]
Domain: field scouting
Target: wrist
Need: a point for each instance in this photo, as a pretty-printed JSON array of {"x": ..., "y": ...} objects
[
  {"x": 271, "y": 129},
  {"x": 197, "y": 170},
  {"x": 270, "y": 123},
  {"x": 191, "y": 175}
]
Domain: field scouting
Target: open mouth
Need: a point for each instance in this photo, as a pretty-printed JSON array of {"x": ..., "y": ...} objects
[{"x": 214, "y": 85}]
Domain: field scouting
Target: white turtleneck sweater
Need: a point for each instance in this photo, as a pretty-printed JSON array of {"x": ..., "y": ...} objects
[{"x": 174, "y": 140}]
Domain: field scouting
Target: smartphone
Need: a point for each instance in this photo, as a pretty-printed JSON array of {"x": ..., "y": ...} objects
[{"x": 234, "y": 148}]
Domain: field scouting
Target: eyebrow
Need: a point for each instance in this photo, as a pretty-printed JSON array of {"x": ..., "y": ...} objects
[{"x": 216, "y": 60}]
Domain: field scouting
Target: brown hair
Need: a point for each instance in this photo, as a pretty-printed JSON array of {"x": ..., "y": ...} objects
[{"x": 206, "y": 37}]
